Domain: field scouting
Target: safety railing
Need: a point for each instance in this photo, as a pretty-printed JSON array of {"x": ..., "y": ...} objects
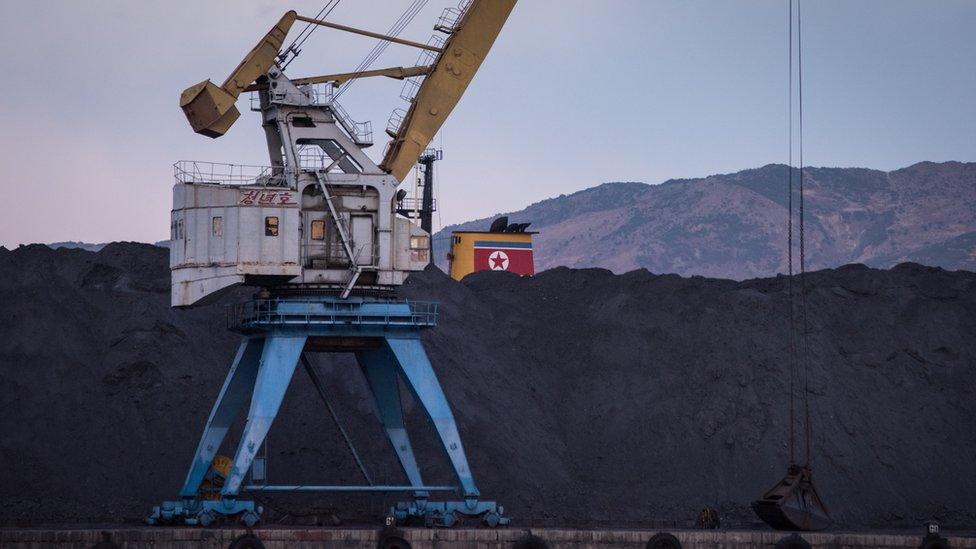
[
  {"x": 363, "y": 252},
  {"x": 332, "y": 256},
  {"x": 313, "y": 157},
  {"x": 395, "y": 121},
  {"x": 361, "y": 132},
  {"x": 410, "y": 204},
  {"x": 321, "y": 255},
  {"x": 276, "y": 313},
  {"x": 322, "y": 94},
  {"x": 412, "y": 85},
  {"x": 410, "y": 88},
  {"x": 216, "y": 173},
  {"x": 319, "y": 94},
  {"x": 426, "y": 58},
  {"x": 448, "y": 21}
]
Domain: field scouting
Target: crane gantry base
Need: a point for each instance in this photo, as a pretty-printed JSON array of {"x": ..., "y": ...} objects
[{"x": 384, "y": 335}]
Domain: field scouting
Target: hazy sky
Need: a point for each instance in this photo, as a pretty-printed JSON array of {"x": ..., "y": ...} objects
[{"x": 573, "y": 94}]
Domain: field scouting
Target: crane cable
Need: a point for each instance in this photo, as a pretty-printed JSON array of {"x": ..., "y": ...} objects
[
  {"x": 789, "y": 254},
  {"x": 804, "y": 351},
  {"x": 803, "y": 266},
  {"x": 401, "y": 23},
  {"x": 293, "y": 49},
  {"x": 405, "y": 18}
]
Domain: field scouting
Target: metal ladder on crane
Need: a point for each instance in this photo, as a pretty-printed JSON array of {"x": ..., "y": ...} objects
[{"x": 347, "y": 244}]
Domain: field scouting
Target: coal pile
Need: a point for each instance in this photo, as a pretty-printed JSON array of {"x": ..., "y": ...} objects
[{"x": 584, "y": 398}]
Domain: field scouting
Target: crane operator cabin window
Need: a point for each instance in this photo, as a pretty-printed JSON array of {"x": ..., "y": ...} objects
[
  {"x": 419, "y": 247},
  {"x": 318, "y": 229},
  {"x": 271, "y": 226}
]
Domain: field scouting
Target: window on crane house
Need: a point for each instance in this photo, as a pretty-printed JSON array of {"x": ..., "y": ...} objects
[
  {"x": 419, "y": 248},
  {"x": 218, "y": 228},
  {"x": 271, "y": 226},
  {"x": 318, "y": 229}
]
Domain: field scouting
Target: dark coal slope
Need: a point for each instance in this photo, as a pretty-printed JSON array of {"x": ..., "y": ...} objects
[{"x": 583, "y": 397}]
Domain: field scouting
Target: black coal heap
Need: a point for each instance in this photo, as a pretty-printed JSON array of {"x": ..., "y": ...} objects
[{"x": 584, "y": 398}]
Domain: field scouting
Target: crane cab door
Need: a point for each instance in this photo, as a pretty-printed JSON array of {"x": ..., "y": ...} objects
[{"x": 362, "y": 239}]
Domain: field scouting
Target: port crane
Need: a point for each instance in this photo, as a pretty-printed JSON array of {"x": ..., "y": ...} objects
[{"x": 318, "y": 232}]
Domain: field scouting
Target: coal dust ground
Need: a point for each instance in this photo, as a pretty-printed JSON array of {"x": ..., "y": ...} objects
[{"x": 584, "y": 398}]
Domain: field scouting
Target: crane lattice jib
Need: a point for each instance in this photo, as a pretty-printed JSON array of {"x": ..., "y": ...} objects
[{"x": 441, "y": 90}]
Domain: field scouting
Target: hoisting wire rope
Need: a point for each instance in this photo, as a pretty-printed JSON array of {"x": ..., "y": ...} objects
[
  {"x": 401, "y": 23},
  {"x": 803, "y": 267},
  {"x": 803, "y": 351},
  {"x": 789, "y": 254},
  {"x": 793, "y": 503},
  {"x": 294, "y": 48}
]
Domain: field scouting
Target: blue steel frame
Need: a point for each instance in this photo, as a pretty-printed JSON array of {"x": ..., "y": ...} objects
[{"x": 275, "y": 335}]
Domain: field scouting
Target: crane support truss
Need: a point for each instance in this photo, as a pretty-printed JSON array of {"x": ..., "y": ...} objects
[
  {"x": 398, "y": 73},
  {"x": 362, "y": 32},
  {"x": 385, "y": 338}
]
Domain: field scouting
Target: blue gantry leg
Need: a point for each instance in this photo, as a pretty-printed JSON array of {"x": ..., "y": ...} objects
[
  {"x": 417, "y": 372},
  {"x": 238, "y": 385},
  {"x": 234, "y": 393},
  {"x": 385, "y": 337},
  {"x": 379, "y": 367},
  {"x": 420, "y": 377},
  {"x": 278, "y": 361}
]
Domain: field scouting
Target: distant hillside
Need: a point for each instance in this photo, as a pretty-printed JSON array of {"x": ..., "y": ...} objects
[
  {"x": 72, "y": 245},
  {"x": 734, "y": 225},
  {"x": 90, "y": 247}
]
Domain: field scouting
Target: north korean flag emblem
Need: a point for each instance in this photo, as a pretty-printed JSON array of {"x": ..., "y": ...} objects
[
  {"x": 513, "y": 257},
  {"x": 498, "y": 261}
]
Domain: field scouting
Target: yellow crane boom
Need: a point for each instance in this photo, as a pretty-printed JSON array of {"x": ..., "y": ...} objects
[
  {"x": 450, "y": 75},
  {"x": 210, "y": 109}
]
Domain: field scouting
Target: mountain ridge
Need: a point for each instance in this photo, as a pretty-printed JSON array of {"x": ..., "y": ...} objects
[{"x": 734, "y": 225}]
